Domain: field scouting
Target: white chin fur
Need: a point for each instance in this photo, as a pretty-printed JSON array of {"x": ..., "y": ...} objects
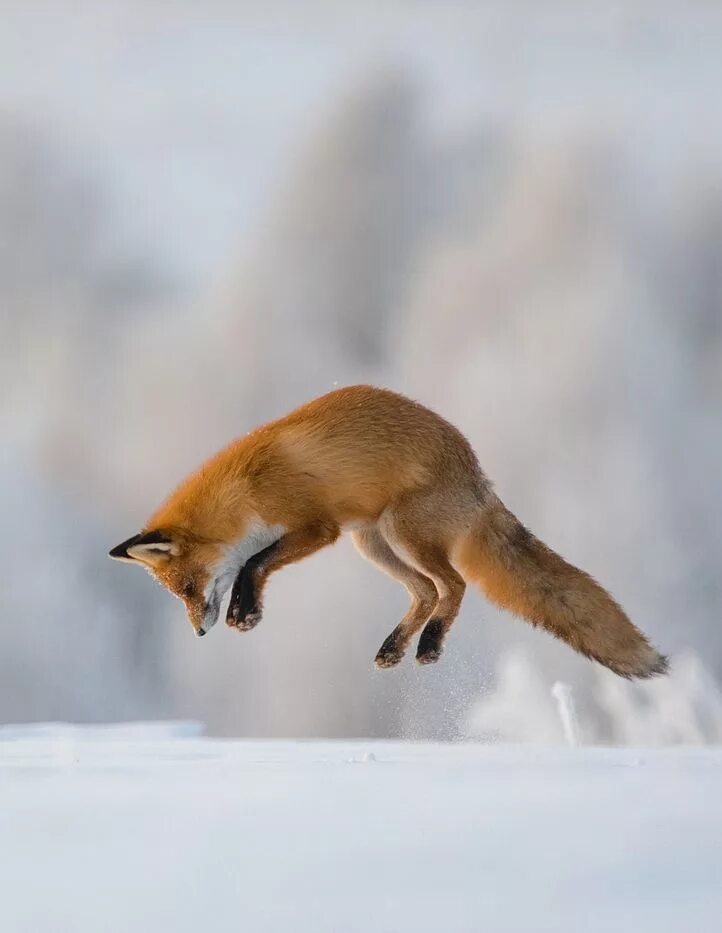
[{"x": 258, "y": 536}]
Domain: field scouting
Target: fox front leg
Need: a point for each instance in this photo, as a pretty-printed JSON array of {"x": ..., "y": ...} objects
[{"x": 244, "y": 609}]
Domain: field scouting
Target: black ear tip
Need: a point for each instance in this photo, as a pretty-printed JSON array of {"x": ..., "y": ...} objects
[
  {"x": 145, "y": 537},
  {"x": 121, "y": 550}
]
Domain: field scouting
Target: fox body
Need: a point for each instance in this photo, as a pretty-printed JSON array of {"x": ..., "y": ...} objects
[{"x": 408, "y": 487}]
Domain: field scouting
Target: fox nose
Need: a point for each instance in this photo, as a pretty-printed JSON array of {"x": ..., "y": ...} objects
[{"x": 200, "y": 632}]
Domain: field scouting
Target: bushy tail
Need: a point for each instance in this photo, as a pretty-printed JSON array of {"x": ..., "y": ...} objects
[{"x": 520, "y": 573}]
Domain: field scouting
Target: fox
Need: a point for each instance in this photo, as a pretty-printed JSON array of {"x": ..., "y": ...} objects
[{"x": 407, "y": 486}]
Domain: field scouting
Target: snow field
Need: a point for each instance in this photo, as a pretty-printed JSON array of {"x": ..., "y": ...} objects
[{"x": 159, "y": 829}]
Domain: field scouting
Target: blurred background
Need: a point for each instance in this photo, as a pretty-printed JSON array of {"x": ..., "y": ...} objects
[{"x": 212, "y": 212}]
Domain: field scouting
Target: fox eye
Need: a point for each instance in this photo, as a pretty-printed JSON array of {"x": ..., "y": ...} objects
[{"x": 188, "y": 590}]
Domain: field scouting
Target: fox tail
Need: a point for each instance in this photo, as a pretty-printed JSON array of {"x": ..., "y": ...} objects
[{"x": 520, "y": 573}]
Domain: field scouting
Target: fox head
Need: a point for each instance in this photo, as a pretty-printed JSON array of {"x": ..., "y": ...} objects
[{"x": 193, "y": 570}]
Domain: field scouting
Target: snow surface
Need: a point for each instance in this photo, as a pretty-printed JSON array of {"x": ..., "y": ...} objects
[{"x": 157, "y": 828}]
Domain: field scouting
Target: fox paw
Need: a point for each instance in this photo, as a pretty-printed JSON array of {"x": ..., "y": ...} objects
[
  {"x": 388, "y": 659},
  {"x": 390, "y": 653},
  {"x": 428, "y": 657},
  {"x": 431, "y": 643},
  {"x": 246, "y": 623}
]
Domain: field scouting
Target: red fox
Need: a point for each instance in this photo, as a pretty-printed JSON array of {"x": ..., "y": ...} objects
[{"x": 408, "y": 487}]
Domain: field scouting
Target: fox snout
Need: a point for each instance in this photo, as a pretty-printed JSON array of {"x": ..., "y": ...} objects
[
  {"x": 202, "y": 612},
  {"x": 209, "y": 616}
]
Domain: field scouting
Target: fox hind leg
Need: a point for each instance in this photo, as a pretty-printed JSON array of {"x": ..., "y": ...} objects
[
  {"x": 407, "y": 531},
  {"x": 371, "y": 545}
]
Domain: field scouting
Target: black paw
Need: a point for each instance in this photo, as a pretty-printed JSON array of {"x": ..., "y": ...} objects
[
  {"x": 242, "y": 620},
  {"x": 244, "y": 613},
  {"x": 431, "y": 642},
  {"x": 391, "y": 652}
]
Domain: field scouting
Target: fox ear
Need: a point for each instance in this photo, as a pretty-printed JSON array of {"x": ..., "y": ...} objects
[{"x": 150, "y": 547}]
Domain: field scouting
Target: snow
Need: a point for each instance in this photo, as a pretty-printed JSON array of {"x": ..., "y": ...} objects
[{"x": 157, "y": 828}]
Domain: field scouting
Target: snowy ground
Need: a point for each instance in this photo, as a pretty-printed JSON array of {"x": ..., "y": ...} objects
[{"x": 158, "y": 829}]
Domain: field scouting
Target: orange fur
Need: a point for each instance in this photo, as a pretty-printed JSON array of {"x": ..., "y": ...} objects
[
  {"x": 520, "y": 573},
  {"x": 409, "y": 486}
]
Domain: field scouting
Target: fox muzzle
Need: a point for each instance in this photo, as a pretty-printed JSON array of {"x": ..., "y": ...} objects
[{"x": 211, "y": 611}]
